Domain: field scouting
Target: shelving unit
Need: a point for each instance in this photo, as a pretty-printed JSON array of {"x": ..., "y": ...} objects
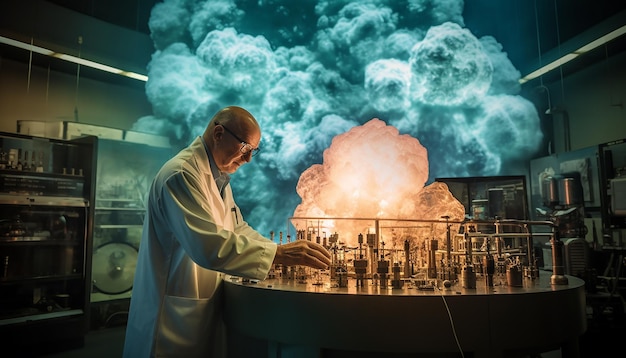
[
  {"x": 46, "y": 219},
  {"x": 126, "y": 162}
]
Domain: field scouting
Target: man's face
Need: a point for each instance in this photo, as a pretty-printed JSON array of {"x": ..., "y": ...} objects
[{"x": 234, "y": 146}]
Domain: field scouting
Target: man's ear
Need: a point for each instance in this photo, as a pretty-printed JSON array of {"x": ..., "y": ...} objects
[{"x": 218, "y": 133}]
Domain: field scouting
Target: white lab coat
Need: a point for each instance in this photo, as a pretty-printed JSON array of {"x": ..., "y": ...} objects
[{"x": 191, "y": 238}]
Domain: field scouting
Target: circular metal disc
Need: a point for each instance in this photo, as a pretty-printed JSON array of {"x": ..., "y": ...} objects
[{"x": 114, "y": 267}]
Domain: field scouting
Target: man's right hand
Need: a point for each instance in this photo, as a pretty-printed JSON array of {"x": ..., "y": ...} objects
[{"x": 303, "y": 252}]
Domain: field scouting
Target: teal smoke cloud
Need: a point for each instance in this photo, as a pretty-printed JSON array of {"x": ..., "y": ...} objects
[{"x": 310, "y": 70}]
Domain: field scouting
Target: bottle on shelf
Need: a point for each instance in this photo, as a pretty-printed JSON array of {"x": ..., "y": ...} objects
[
  {"x": 40, "y": 165},
  {"x": 12, "y": 164},
  {"x": 33, "y": 165},
  {"x": 19, "y": 159},
  {"x": 25, "y": 166},
  {"x": 3, "y": 159}
]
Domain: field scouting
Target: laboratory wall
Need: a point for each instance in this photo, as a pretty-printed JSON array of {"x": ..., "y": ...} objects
[
  {"x": 44, "y": 88},
  {"x": 588, "y": 105},
  {"x": 36, "y": 94}
]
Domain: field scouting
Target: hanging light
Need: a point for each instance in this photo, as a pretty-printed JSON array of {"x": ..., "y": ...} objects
[
  {"x": 572, "y": 55},
  {"x": 73, "y": 59}
]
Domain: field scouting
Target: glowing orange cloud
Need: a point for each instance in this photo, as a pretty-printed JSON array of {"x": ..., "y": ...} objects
[{"x": 372, "y": 171}]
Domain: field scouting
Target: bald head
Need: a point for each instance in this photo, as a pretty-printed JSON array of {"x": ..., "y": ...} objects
[
  {"x": 225, "y": 133},
  {"x": 233, "y": 115}
]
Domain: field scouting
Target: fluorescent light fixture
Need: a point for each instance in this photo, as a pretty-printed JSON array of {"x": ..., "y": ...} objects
[
  {"x": 570, "y": 56},
  {"x": 73, "y": 59}
]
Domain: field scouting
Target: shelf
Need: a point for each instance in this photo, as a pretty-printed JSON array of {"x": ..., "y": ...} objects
[
  {"x": 38, "y": 241},
  {"x": 120, "y": 209},
  {"x": 29, "y": 183},
  {"x": 129, "y": 226},
  {"x": 50, "y": 278},
  {"x": 17, "y": 199},
  {"x": 42, "y": 316},
  {"x": 44, "y": 175}
]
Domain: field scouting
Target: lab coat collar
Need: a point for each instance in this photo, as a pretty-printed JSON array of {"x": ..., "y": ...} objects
[
  {"x": 203, "y": 164},
  {"x": 221, "y": 179}
]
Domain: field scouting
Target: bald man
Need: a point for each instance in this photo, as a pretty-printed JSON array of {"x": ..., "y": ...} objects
[{"x": 193, "y": 235}]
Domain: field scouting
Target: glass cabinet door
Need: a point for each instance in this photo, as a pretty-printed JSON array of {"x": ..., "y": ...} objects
[
  {"x": 46, "y": 219},
  {"x": 125, "y": 171},
  {"x": 42, "y": 245}
]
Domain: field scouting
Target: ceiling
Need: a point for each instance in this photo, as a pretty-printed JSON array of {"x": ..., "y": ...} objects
[
  {"x": 131, "y": 14},
  {"x": 532, "y": 33},
  {"x": 550, "y": 23}
]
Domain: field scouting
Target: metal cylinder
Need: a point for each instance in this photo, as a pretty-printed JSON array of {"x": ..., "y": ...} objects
[
  {"x": 550, "y": 191},
  {"x": 396, "y": 282},
  {"x": 432, "y": 259},
  {"x": 570, "y": 191},
  {"x": 468, "y": 277},
  {"x": 489, "y": 268},
  {"x": 383, "y": 272},
  {"x": 407, "y": 264},
  {"x": 514, "y": 276},
  {"x": 558, "y": 270},
  {"x": 342, "y": 277}
]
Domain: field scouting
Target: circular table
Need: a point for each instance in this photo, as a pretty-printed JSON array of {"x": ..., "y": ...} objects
[{"x": 285, "y": 318}]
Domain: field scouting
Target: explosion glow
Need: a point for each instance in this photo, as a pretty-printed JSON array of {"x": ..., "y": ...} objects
[
  {"x": 311, "y": 70},
  {"x": 372, "y": 171}
]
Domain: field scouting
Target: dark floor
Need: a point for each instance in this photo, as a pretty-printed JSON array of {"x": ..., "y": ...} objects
[
  {"x": 600, "y": 340},
  {"x": 606, "y": 333},
  {"x": 101, "y": 343}
]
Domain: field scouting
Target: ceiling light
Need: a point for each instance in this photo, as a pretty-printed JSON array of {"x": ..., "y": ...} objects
[
  {"x": 572, "y": 55},
  {"x": 73, "y": 59}
]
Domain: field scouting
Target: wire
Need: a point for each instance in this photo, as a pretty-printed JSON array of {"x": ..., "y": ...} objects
[
  {"x": 30, "y": 66},
  {"x": 538, "y": 42},
  {"x": 558, "y": 39},
  {"x": 112, "y": 316},
  {"x": 456, "y": 338},
  {"x": 80, "y": 44}
]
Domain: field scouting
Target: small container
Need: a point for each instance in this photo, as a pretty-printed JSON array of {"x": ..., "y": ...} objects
[
  {"x": 63, "y": 300},
  {"x": 514, "y": 276}
]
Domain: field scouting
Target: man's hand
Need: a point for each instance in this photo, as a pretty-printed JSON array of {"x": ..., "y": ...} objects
[{"x": 303, "y": 252}]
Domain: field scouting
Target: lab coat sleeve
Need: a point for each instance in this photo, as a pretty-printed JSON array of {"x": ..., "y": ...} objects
[{"x": 198, "y": 227}]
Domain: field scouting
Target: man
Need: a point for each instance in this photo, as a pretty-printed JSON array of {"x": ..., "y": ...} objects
[{"x": 193, "y": 235}]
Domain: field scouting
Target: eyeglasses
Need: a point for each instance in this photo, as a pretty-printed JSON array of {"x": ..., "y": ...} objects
[{"x": 245, "y": 146}]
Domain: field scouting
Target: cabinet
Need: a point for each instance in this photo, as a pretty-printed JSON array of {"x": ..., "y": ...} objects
[
  {"x": 126, "y": 162},
  {"x": 46, "y": 218},
  {"x": 124, "y": 174}
]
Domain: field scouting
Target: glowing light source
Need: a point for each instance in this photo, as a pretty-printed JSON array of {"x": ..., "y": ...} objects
[
  {"x": 387, "y": 169},
  {"x": 570, "y": 56},
  {"x": 73, "y": 59}
]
